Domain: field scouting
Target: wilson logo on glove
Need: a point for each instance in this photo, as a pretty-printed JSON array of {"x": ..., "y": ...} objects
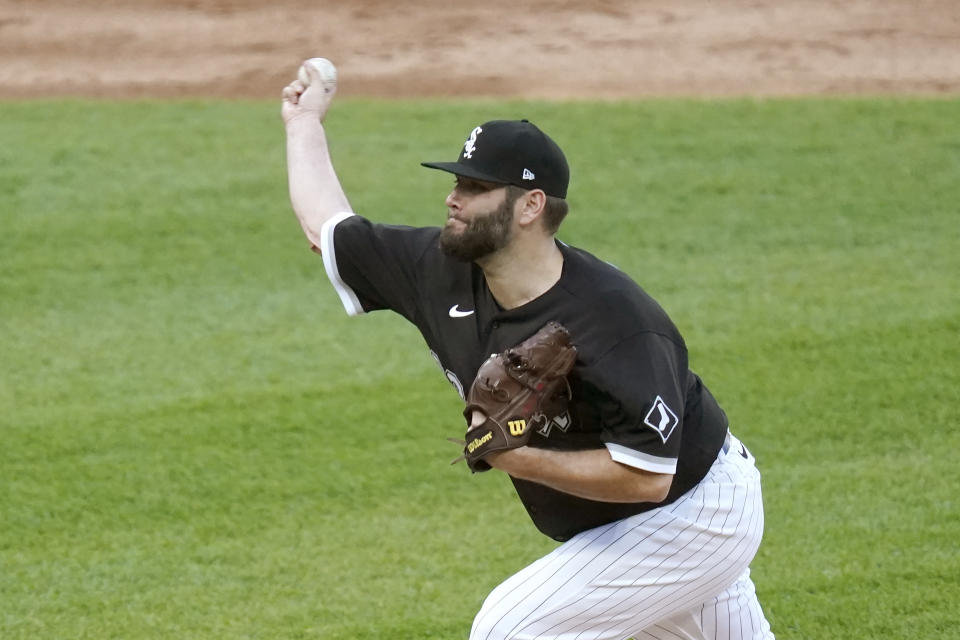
[
  {"x": 524, "y": 383},
  {"x": 479, "y": 442}
]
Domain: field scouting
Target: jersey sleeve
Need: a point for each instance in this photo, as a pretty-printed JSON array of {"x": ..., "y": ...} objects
[
  {"x": 374, "y": 266},
  {"x": 644, "y": 383}
]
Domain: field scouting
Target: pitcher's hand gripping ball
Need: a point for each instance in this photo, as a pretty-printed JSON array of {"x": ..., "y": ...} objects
[
  {"x": 321, "y": 70},
  {"x": 312, "y": 92},
  {"x": 517, "y": 390}
]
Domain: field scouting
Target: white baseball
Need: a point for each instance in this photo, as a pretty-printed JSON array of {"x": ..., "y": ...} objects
[{"x": 324, "y": 69}]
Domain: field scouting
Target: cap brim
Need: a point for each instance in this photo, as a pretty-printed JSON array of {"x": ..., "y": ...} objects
[{"x": 462, "y": 170}]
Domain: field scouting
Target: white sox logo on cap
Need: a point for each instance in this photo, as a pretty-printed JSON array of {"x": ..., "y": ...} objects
[{"x": 471, "y": 144}]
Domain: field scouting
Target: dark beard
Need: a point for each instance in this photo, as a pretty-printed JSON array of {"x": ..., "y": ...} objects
[{"x": 481, "y": 236}]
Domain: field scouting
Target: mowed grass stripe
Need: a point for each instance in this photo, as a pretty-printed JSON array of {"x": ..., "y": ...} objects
[{"x": 198, "y": 442}]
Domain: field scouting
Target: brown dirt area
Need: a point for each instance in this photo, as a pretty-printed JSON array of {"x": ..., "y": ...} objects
[{"x": 426, "y": 48}]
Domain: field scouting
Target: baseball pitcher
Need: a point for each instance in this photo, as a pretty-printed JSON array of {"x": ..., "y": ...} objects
[{"x": 615, "y": 447}]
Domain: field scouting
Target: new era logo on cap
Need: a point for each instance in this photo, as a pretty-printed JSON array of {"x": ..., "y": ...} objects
[{"x": 511, "y": 152}]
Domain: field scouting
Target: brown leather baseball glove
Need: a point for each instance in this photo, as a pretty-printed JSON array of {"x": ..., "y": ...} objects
[{"x": 518, "y": 390}]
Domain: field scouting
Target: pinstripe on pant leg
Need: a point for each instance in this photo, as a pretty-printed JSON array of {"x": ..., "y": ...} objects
[
  {"x": 637, "y": 574},
  {"x": 736, "y": 613}
]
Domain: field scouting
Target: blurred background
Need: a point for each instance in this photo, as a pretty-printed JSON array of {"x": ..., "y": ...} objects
[{"x": 425, "y": 48}]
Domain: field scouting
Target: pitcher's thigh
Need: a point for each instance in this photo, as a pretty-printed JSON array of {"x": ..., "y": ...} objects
[{"x": 609, "y": 582}]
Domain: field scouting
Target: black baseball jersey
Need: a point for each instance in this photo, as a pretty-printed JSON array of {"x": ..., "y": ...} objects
[{"x": 633, "y": 392}]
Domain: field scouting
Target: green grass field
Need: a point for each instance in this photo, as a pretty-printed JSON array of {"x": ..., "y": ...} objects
[{"x": 198, "y": 443}]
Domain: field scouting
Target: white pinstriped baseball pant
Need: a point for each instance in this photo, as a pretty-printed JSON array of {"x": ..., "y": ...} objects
[{"x": 680, "y": 571}]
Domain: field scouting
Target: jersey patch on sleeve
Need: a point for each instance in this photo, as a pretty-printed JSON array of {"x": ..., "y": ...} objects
[{"x": 661, "y": 419}]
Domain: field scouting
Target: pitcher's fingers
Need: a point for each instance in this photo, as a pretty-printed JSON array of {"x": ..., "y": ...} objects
[{"x": 291, "y": 94}]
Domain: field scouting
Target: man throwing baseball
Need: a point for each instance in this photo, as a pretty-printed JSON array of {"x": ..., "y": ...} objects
[{"x": 630, "y": 464}]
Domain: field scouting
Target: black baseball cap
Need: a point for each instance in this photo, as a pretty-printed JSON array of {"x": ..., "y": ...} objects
[{"x": 511, "y": 152}]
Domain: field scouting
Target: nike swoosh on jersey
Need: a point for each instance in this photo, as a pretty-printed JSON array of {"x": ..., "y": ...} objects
[{"x": 456, "y": 312}]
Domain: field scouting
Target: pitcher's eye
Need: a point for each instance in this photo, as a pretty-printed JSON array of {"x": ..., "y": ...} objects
[{"x": 466, "y": 185}]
